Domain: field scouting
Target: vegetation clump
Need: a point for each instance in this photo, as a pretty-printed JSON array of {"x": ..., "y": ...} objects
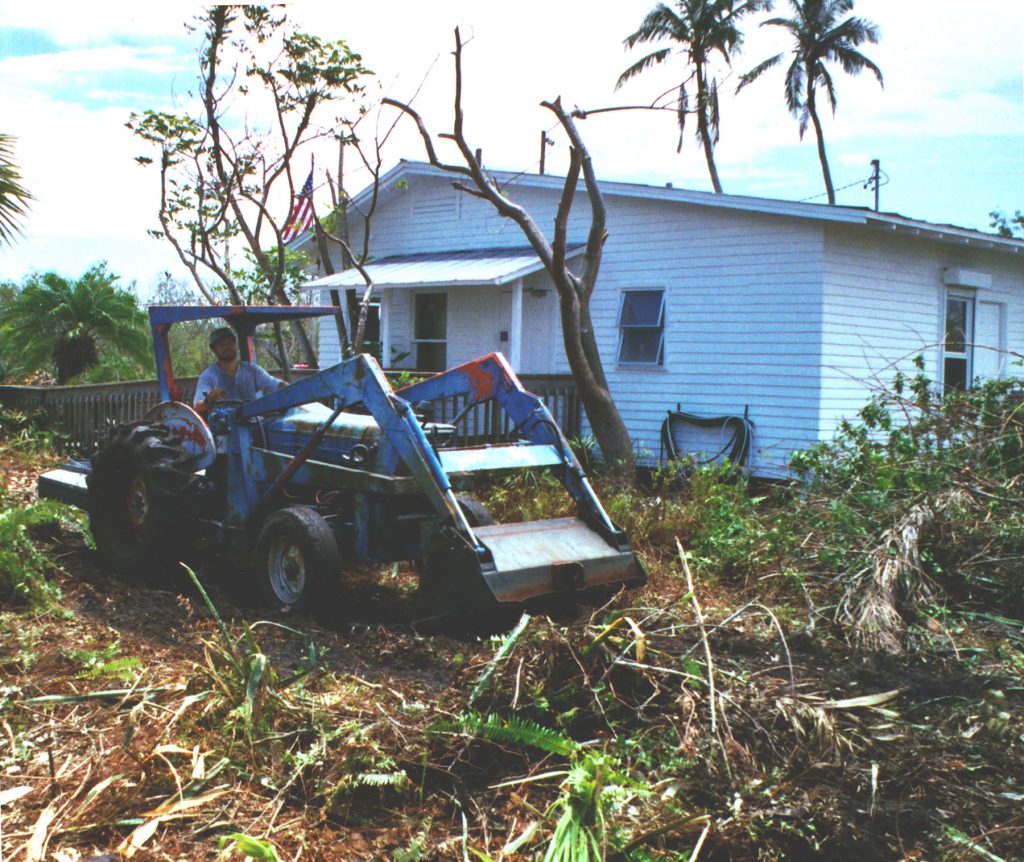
[
  {"x": 919, "y": 505},
  {"x": 746, "y": 705}
]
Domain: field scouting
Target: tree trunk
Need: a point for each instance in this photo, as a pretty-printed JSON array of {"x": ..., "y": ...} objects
[
  {"x": 302, "y": 339},
  {"x": 282, "y": 349},
  {"x": 813, "y": 111},
  {"x": 574, "y": 291},
  {"x": 705, "y": 134},
  {"x": 328, "y": 264},
  {"x": 605, "y": 420}
]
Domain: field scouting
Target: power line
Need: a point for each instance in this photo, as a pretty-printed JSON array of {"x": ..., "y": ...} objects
[
  {"x": 877, "y": 179},
  {"x": 841, "y": 189}
]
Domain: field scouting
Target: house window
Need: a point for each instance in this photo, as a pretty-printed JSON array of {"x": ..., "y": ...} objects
[
  {"x": 956, "y": 371},
  {"x": 642, "y": 327},
  {"x": 431, "y": 331}
]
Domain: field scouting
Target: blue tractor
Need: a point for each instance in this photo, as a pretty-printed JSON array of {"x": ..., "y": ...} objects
[{"x": 338, "y": 470}]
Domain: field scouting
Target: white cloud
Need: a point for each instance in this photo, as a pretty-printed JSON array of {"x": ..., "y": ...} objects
[
  {"x": 952, "y": 75},
  {"x": 76, "y": 23}
]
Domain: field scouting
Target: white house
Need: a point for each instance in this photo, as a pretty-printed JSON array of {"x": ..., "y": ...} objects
[{"x": 717, "y": 303}]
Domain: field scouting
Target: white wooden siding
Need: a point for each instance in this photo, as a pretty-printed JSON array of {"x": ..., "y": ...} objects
[
  {"x": 884, "y": 301},
  {"x": 742, "y": 321},
  {"x": 793, "y": 319},
  {"x": 742, "y": 306}
]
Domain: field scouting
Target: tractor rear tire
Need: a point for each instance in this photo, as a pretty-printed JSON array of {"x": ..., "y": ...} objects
[
  {"x": 137, "y": 481},
  {"x": 297, "y": 558},
  {"x": 477, "y": 514}
]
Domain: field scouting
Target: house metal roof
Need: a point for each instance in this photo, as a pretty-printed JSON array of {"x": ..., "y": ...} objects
[
  {"x": 876, "y": 221},
  {"x": 494, "y": 266}
]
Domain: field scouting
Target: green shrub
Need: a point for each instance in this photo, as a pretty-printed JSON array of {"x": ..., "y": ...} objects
[
  {"x": 921, "y": 494},
  {"x": 726, "y": 531},
  {"x": 23, "y": 567},
  {"x": 28, "y": 433}
]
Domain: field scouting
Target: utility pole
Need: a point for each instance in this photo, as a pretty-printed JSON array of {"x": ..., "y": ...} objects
[
  {"x": 545, "y": 142},
  {"x": 875, "y": 182}
]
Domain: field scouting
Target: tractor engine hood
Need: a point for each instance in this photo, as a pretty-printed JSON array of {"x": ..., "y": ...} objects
[{"x": 352, "y": 438}]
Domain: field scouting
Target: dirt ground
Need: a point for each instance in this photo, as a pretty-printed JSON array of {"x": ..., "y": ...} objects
[{"x": 132, "y": 730}]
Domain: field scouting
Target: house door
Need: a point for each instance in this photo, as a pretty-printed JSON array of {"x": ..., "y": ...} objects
[
  {"x": 989, "y": 341},
  {"x": 431, "y": 331}
]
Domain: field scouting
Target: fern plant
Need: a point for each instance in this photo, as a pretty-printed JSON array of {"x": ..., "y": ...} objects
[
  {"x": 23, "y": 567},
  {"x": 511, "y": 731}
]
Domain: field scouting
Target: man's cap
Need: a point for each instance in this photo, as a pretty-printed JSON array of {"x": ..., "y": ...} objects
[{"x": 222, "y": 332}]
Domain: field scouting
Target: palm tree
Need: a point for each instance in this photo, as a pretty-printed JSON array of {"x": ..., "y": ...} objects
[
  {"x": 68, "y": 323},
  {"x": 14, "y": 197},
  {"x": 700, "y": 28},
  {"x": 820, "y": 37}
]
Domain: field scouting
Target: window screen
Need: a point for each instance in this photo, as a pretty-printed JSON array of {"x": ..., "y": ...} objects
[
  {"x": 642, "y": 327},
  {"x": 431, "y": 331},
  {"x": 957, "y": 348}
]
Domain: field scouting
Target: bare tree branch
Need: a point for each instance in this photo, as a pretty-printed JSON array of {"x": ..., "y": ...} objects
[{"x": 574, "y": 293}]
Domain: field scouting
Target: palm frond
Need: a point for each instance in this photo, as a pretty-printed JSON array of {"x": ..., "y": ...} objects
[
  {"x": 14, "y": 197},
  {"x": 758, "y": 71},
  {"x": 713, "y": 111},
  {"x": 830, "y": 88},
  {"x": 791, "y": 24},
  {"x": 853, "y": 31},
  {"x": 796, "y": 77},
  {"x": 853, "y": 63},
  {"x": 642, "y": 65},
  {"x": 682, "y": 109},
  {"x": 395, "y": 780},
  {"x": 660, "y": 23}
]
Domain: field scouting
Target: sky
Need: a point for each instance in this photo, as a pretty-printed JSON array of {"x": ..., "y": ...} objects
[{"x": 948, "y": 126}]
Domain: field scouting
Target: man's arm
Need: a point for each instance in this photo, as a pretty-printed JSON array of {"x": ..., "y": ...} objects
[
  {"x": 207, "y": 393},
  {"x": 265, "y": 382}
]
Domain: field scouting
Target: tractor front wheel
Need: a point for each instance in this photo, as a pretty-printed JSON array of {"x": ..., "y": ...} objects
[{"x": 297, "y": 557}]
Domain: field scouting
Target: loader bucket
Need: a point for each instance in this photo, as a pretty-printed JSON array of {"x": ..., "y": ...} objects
[{"x": 523, "y": 565}]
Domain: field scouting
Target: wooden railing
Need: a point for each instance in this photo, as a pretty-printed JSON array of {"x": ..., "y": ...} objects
[{"x": 87, "y": 413}]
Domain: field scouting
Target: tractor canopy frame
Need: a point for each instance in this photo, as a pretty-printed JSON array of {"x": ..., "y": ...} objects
[{"x": 243, "y": 319}]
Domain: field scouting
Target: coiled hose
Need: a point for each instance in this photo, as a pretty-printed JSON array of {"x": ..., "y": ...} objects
[{"x": 736, "y": 449}]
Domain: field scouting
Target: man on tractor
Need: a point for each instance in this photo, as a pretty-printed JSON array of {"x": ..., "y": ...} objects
[{"x": 229, "y": 377}]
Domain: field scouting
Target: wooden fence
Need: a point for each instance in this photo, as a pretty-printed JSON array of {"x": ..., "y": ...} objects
[{"x": 86, "y": 413}]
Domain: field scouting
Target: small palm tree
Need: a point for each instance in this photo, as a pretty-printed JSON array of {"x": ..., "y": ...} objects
[
  {"x": 69, "y": 323},
  {"x": 14, "y": 197},
  {"x": 820, "y": 37},
  {"x": 700, "y": 28}
]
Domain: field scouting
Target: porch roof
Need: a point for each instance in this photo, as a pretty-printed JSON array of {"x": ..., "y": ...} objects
[{"x": 489, "y": 266}]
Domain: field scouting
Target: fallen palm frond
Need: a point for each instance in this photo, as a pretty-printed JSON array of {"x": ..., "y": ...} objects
[
  {"x": 114, "y": 695},
  {"x": 712, "y": 706},
  {"x": 877, "y": 598}
]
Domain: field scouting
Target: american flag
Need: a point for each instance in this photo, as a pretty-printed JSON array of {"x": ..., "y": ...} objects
[{"x": 301, "y": 218}]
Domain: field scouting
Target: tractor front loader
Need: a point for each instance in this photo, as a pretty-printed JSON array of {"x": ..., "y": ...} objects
[{"x": 314, "y": 489}]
